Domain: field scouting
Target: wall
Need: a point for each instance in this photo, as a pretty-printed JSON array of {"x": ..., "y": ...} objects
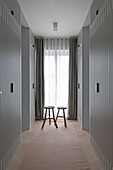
[
  {"x": 25, "y": 78},
  {"x": 10, "y": 82},
  {"x": 28, "y": 75},
  {"x": 83, "y": 78},
  {"x": 101, "y": 81}
]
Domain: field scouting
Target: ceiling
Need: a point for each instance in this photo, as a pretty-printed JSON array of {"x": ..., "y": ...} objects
[{"x": 70, "y": 15}]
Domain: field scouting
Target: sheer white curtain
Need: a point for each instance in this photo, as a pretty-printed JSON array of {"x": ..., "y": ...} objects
[{"x": 56, "y": 70}]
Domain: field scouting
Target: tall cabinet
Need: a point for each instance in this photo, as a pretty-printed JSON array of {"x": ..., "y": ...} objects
[
  {"x": 10, "y": 80},
  {"x": 101, "y": 80}
]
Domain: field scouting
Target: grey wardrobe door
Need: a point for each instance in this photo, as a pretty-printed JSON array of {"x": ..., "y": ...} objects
[
  {"x": 111, "y": 88},
  {"x": 94, "y": 81},
  {"x": 103, "y": 116},
  {"x": 79, "y": 98},
  {"x": 10, "y": 103},
  {"x": 0, "y": 87}
]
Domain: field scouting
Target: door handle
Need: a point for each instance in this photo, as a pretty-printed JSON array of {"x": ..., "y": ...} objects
[
  {"x": 78, "y": 85},
  {"x": 98, "y": 87}
]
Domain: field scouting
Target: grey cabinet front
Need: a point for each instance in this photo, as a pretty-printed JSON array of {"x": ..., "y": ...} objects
[
  {"x": 103, "y": 69},
  {"x": 101, "y": 46},
  {"x": 10, "y": 77},
  {"x": 111, "y": 88},
  {"x": 94, "y": 81}
]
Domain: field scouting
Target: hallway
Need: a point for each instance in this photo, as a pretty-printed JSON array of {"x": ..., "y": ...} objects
[{"x": 55, "y": 149}]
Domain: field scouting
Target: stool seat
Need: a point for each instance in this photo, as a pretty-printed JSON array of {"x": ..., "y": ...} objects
[
  {"x": 48, "y": 108},
  {"x": 61, "y": 107},
  {"x": 63, "y": 116}
]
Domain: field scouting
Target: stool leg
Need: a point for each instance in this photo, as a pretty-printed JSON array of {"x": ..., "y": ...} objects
[
  {"x": 54, "y": 118},
  {"x": 49, "y": 118},
  {"x": 44, "y": 119},
  {"x": 64, "y": 118},
  {"x": 57, "y": 114}
]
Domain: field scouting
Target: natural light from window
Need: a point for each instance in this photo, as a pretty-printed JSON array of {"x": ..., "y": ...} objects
[{"x": 56, "y": 68}]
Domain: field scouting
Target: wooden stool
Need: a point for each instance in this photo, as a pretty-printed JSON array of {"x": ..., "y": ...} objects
[
  {"x": 63, "y": 108},
  {"x": 49, "y": 108}
]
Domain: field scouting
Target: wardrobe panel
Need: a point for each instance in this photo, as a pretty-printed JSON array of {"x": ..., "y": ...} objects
[
  {"x": 103, "y": 117},
  {"x": 0, "y": 86},
  {"x": 79, "y": 98},
  {"x": 111, "y": 87},
  {"x": 91, "y": 85},
  {"x": 10, "y": 86},
  {"x": 32, "y": 85},
  {"x": 103, "y": 141},
  {"x": 32, "y": 77},
  {"x": 94, "y": 81},
  {"x": 25, "y": 78}
]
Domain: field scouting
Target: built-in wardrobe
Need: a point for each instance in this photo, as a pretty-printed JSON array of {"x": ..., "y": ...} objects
[
  {"x": 10, "y": 80},
  {"x": 101, "y": 81}
]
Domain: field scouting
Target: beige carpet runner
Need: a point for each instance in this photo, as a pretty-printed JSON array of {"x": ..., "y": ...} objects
[{"x": 54, "y": 149}]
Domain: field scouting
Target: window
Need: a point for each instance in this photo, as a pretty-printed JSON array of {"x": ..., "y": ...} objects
[{"x": 56, "y": 65}]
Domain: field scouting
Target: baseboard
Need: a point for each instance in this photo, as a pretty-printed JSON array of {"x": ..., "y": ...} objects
[{"x": 6, "y": 158}]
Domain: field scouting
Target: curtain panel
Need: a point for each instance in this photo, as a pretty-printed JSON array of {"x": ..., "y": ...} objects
[
  {"x": 39, "y": 99},
  {"x": 72, "y": 96}
]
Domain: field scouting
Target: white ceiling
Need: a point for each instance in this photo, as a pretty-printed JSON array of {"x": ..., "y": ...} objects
[{"x": 70, "y": 15}]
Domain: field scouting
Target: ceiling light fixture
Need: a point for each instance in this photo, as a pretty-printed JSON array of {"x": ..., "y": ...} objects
[{"x": 55, "y": 26}]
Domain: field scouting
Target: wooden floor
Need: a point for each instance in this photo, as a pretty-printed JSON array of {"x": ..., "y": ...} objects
[{"x": 55, "y": 149}]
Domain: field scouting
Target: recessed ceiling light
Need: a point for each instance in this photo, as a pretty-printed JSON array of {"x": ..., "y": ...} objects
[{"x": 55, "y": 26}]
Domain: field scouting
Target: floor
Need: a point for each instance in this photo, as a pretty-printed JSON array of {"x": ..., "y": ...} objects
[{"x": 55, "y": 149}]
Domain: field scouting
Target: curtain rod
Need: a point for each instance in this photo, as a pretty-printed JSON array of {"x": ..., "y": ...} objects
[{"x": 55, "y": 37}]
